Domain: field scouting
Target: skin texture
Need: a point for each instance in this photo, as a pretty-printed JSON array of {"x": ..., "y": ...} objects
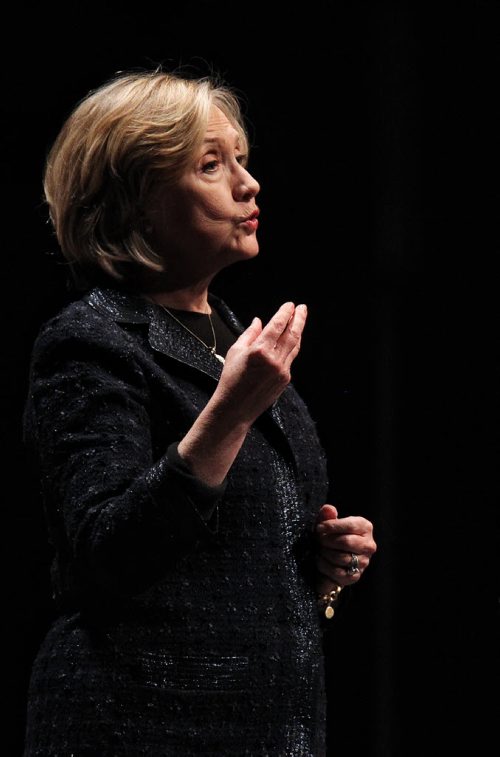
[{"x": 196, "y": 227}]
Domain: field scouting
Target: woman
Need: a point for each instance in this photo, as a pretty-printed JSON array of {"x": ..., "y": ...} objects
[{"x": 183, "y": 479}]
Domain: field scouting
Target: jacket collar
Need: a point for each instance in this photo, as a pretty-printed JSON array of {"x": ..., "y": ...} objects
[
  {"x": 164, "y": 333},
  {"x": 170, "y": 338}
]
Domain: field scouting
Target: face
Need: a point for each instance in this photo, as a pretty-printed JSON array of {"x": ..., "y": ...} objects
[{"x": 197, "y": 224}]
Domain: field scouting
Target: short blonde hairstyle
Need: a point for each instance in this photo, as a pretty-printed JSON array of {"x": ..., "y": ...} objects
[{"x": 123, "y": 138}]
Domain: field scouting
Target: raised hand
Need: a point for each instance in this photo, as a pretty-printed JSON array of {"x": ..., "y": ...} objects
[
  {"x": 257, "y": 367},
  {"x": 255, "y": 373}
]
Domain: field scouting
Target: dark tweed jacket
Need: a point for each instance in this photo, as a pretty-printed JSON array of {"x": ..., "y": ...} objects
[{"x": 187, "y": 622}]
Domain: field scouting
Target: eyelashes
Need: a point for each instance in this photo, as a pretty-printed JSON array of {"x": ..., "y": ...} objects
[{"x": 242, "y": 160}]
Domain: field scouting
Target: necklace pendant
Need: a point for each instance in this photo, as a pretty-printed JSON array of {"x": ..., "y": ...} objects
[{"x": 219, "y": 357}]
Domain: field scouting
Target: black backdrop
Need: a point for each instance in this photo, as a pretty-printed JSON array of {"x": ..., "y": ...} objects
[{"x": 375, "y": 132}]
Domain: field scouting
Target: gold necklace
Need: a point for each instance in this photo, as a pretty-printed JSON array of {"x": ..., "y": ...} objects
[{"x": 213, "y": 349}]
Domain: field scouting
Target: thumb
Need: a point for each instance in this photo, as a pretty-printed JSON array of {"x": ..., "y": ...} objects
[
  {"x": 327, "y": 512},
  {"x": 251, "y": 333}
]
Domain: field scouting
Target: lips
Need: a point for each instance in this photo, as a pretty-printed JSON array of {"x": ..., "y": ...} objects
[{"x": 251, "y": 217}]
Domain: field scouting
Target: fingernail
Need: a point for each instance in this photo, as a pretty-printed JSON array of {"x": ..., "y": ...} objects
[{"x": 302, "y": 306}]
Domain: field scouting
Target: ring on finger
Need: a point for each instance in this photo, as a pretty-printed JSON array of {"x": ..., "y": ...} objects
[{"x": 353, "y": 566}]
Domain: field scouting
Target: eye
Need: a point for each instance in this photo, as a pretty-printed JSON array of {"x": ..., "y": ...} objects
[
  {"x": 211, "y": 166},
  {"x": 207, "y": 166}
]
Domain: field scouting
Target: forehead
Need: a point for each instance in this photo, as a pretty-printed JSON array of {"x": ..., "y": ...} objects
[{"x": 219, "y": 126}]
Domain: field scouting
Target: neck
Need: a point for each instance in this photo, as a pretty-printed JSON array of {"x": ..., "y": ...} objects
[{"x": 193, "y": 297}]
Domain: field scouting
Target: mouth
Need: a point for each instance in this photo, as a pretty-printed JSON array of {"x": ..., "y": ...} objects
[{"x": 252, "y": 217}]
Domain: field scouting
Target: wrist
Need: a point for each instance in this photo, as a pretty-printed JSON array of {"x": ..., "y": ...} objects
[
  {"x": 224, "y": 418},
  {"x": 212, "y": 443}
]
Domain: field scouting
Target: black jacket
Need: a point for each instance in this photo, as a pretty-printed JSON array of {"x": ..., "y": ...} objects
[{"x": 187, "y": 617}]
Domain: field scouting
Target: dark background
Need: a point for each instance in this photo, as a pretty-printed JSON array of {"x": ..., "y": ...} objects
[{"x": 376, "y": 143}]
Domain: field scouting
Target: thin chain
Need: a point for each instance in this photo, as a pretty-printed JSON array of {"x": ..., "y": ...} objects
[{"x": 213, "y": 349}]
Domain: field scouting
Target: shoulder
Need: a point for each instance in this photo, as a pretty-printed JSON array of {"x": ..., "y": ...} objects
[
  {"x": 81, "y": 352},
  {"x": 80, "y": 339},
  {"x": 93, "y": 319},
  {"x": 77, "y": 319}
]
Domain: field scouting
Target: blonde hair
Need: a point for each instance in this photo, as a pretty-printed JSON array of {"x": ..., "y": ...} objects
[{"x": 123, "y": 138}]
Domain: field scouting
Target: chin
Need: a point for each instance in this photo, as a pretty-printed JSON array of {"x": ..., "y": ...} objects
[
  {"x": 247, "y": 255},
  {"x": 242, "y": 253},
  {"x": 252, "y": 252},
  {"x": 226, "y": 256}
]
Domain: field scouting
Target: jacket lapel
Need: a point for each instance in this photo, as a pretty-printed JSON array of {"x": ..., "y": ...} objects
[
  {"x": 165, "y": 335},
  {"x": 169, "y": 338}
]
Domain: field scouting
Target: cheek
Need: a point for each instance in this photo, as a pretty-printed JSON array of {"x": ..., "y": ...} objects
[
  {"x": 210, "y": 214},
  {"x": 196, "y": 212}
]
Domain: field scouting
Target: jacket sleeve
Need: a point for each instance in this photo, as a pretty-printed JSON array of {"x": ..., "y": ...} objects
[{"x": 125, "y": 518}]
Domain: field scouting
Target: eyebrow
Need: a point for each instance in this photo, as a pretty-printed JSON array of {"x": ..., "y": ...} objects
[{"x": 217, "y": 140}]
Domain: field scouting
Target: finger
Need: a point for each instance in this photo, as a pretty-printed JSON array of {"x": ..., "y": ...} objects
[
  {"x": 327, "y": 512},
  {"x": 352, "y": 524},
  {"x": 339, "y": 559},
  {"x": 251, "y": 333},
  {"x": 289, "y": 341},
  {"x": 359, "y": 545},
  {"x": 336, "y": 573},
  {"x": 277, "y": 325}
]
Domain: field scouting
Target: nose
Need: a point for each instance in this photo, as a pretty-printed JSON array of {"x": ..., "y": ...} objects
[{"x": 246, "y": 186}]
